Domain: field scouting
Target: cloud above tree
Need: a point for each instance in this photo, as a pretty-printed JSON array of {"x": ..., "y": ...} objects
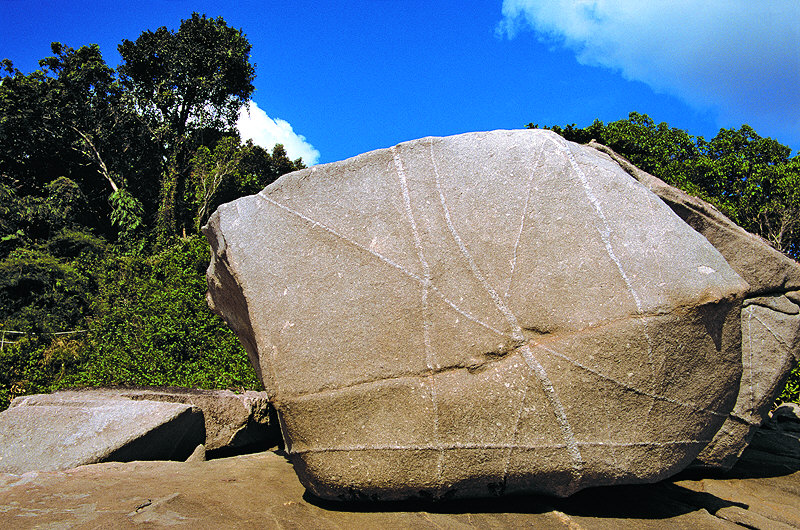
[
  {"x": 737, "y": 57},
  {"x": 254, "y": 124}
]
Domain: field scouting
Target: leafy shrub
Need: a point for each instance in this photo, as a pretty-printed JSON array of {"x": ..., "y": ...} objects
[
  {"x": 792, "y": 391},
  {"x": 151, "y": 325},
  {"x": 70, "y": 244},
  {"x": 39, "y": 293},
  {"x": 37, "y": 364},
  {"x": 127, "y": 213},
  {"x": 66, "y": 205}
]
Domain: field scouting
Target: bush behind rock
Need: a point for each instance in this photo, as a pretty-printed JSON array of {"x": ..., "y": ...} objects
[{"x": 147, "y": 324}]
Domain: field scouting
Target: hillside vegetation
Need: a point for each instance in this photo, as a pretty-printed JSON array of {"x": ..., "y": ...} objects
[{"x": 107, "y": 175}]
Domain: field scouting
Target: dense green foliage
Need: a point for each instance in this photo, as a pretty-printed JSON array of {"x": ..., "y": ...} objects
[
  {"x": 753, "y": 180},
  {"x": 151, "y": 325},
  {"x": 141, "y": 320},
  {"x": 105, "y": 179}
]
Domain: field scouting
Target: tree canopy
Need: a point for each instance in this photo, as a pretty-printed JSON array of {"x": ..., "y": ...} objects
[
  {"x": 106, "y": 176},
  {"x": 186, "y": 80},
  {"x": 182, "y": 83}
]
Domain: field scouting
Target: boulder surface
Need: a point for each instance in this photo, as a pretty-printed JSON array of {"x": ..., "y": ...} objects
[
  {"x": 770, "y": 317},
  {"x": 482, "y": 314}
]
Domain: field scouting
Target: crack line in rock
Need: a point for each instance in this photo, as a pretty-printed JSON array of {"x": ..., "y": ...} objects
[
  {"x": 605, "y": 234},
  {"x": 426, "y": 325},
  {"x": 522, "y": 222},
  {"x": 423, "y": 375},
  {"x": 489, "y": 446},
  {"x": 515, "y": 435},
  {"x": 693, "y": 407},
  {"x": 511, "y": 319},
  {"x": 517, "y": 335},
  {"x": 384, "y": 259},
  {"x": 558, "y": 409},
  {"x": 750, "y": 357},
  {"x": 780, "y": 340},
  {"x": 777, "y": 337}
]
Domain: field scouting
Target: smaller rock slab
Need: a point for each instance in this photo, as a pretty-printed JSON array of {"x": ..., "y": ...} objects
[
  {"x": 232, "y": 421},
  {"x": 69, "y": 432}
]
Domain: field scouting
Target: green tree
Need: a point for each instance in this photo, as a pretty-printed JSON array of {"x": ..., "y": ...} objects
[
  {"x": 755, "y": 182},
  {"x": 68, "y": 121},
  {"x": 185, "y": 82},
  {"x": 82, "y": 96},
  {"x": 230, "y": 171}
]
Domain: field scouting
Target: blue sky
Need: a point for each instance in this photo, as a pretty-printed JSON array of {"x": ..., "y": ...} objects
[{"x": 335, "y": 79}]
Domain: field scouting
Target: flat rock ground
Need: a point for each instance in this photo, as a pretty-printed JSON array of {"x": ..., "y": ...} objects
[{"x": 261, "y": 491}]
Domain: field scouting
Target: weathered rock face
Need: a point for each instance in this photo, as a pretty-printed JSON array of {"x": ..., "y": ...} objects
[
  {"x": 770, "y": 318},
  {"x": 769, "y": 352},
  {"x": 67, "y": 432},
  {"x": 480, "y": 314}
]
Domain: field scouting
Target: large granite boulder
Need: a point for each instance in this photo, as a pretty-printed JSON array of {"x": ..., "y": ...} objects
[
  {"x": 65, "y": 432},
  {"x": 770, "y": 317},
  {"x": 480, "y": 314}
]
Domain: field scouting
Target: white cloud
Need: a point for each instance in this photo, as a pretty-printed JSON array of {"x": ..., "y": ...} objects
[
  {"x": 739, "y": 57},
  {"x": 254, "y": 124}
]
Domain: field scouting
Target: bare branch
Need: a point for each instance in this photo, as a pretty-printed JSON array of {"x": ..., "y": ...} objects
[{"x": 97, "y": 157}]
